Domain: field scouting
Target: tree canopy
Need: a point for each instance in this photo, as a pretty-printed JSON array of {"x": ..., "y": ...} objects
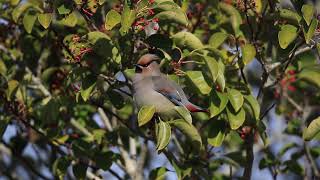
[{"x": 66, "y": 107}]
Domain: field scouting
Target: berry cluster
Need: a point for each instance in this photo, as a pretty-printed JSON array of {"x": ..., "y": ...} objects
[
  {"x": 244, "y": 6},
  {"x": 286, "y": 83},
  {"x": 142, "y": 23},
  {"x": 78, "y": 48}
]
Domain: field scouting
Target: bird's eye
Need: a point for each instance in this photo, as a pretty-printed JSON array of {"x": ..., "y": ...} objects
[{"x": 138, "y": 70}]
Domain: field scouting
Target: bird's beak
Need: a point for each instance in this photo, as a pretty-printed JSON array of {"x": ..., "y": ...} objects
[{"x": 138, "y": 66}]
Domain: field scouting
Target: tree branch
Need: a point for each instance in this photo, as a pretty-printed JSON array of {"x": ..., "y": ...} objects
[{"x": 249, "y": 156}]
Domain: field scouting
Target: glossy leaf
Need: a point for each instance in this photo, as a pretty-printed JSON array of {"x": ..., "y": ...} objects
[
  {"x": 196, "y": 77},
  {"x": 12, "y": 88},
  {"x": 311, "y": 30},
  {"x": 307, "y": 13},
  {"x": 28, "y": 21},
  {"x": 145, "y": 114},
  {"x": 217, "y": 133},
  {"x": 312, "y": 130},
  {"x": 217, "y": 39},
  {"x": 213, "y": 67},
  {"x": 187, "y": 40},
  {"x": 220, "y": 78},
  {"x": 184, "y": 113},
  {"x": 254, "y": 105},
  {"x": 235, "y": 98},
  {"x": 248, "y": 53},
  {"x": 290, "y": 16},
  {"x": 218, "y": 102},
  {"x": 70, "y": 20},
  {"x": 127, "y": 18},
  {"x": 287, "y": 35},
  {"x": 236, "y": 119},
  {"x": 172, "y": 16},
  {"x": 158, "y": 173},
  {"x": 112, "y": 19},
  {"x": 163, "y": 134},
  {"x": 3, "y": 68},
  {"x": 310, "y": 75},
  {"x": 45, "y": 19},
  {"x": 189, "y": 131}
]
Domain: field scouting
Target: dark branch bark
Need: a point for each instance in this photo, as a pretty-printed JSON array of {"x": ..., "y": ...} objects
[{"x": 249, "y": 156}]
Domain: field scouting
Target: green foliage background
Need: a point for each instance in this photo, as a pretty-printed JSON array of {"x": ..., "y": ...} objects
[{"x": 65, "y": 86}]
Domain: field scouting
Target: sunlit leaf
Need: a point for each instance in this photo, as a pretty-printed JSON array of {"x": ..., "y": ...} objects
[
  {"x": 287, "y": 35},
  {"x": 172, "y": 16},
  {"x": 187, "y": 40},
  {"x": 248, "y": 53},
  {"x": 213, "y": 67},
  {"x": 196, "y": 77},
  {"x": 189, "y": 131},
  {"x": 218, "y": 102},
  {"x": 145, "y": 114},
  {"x": 254, "y": 105},
  {"x": 28, "y": 21},
  {"x": 312, "y": 29},
  {"x": 312, "y": 130},
  {"x": 217, "y": 39},
  {"x": 127, "y": 18},
  {"x": 12, "y": 88},
  {"x": 235, "y": 98},
  {"x": 310, "y": 75},
  {"x": 112, "y": 19},
  {"x": 3, "y": 68},
  {"x": 217, "y": 133},
  {"x": 220, "y": 78},
  {"x": 307, "y": 13},
  {"x": 45, "y": 19},
  {"x": 158, "y": 173},
  {"x": 163, "y": 134},
  {"x": 236, "y": 119},
  {"x": 184, "y": 113}
]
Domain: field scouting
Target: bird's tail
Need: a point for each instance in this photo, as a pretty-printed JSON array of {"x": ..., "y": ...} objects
[{"x": 194, "y": 108}]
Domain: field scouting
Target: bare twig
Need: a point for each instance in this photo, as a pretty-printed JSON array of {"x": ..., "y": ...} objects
[
  {"x": 249, "y": 157},
  {"x": 311, "y": 161}
]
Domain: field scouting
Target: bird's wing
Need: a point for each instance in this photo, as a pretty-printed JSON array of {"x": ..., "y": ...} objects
[{"x": 169, "y": 89}]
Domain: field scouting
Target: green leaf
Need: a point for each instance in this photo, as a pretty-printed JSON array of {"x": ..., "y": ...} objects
[
  {"x": 213, "y": 67},
  {"x": 218, "y": 101},
  {"x": 187, "y": 40},
  {"x": 163, "y": 134},
  {"x": 88, "y": 84},
  {"x": 127, "y": 18},
  {"x": 217, "y": 39},
  {"x": 217, "y": 133},
  {"x": 14, "y": 2},
  {"x": 310, "y": 75},
  {"x": 16, "y": 13},
  {"x": 172, "y": 16},
  {"x": 12, "y": 88},
  {"x": 236, "y": 119},
  {"x": 60, "y": 166},
  {"x": 45, "y": 19},
  {"x": 3, "y": 68},
  {"x": 196, "y": 77},
  {"x": 221, "y": 79},
  {"x": 311, "y": 30},
  {"x": 312, "y": 130},
  {"x": 254, "y": 105},
  {"x": 287, "y": 35},
  {"x": 112, "y": 19},
  {"x": 287, "y": 147},
  {"x": 145, "y": 114},
  {"x": 307, "y": 13},
  {"x": 104, "y": 159},
  {"x": 80, "y": 170},
  {"x": 167, "y": 6},
  {"x": 185, "y": 114},
  {"x": 158, "y": 173},
  {"x": 305, "y": 60},
  {"x": 189, "y": 131},
  {"x": 71, "y": 20},
  {"x": 63, "y": 9},
  {"x": 235, "y": 98},
  {"x": 248, "y": 53},
  {"x": 290, "y": 16},
  {"x": 28, "y": 21}
]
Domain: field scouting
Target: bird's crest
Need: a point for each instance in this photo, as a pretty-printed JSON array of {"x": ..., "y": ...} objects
[{"x": 147, "y": 59}]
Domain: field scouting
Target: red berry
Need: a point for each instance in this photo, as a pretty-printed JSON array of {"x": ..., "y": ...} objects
[
  {"x": 155, "y": 20},
  {"x": 276, "y": 94},
  {"x": 151, "y": 12},
  {"x": 291, "y": 72},
  {"x": 292, "y": 79},
  {"x": 155, "y": 28},
  {"x": 151, "y": 1},
  {"x": 291, "y": 88}
]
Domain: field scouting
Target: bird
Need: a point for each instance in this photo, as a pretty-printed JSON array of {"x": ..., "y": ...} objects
[{"x": 152, "y": 88}]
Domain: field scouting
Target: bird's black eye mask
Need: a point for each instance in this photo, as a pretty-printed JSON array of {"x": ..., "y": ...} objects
[{"x": 139, "y": 67}]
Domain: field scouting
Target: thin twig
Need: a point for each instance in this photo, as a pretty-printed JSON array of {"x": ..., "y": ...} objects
[{"x": 311, "y": 161}]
